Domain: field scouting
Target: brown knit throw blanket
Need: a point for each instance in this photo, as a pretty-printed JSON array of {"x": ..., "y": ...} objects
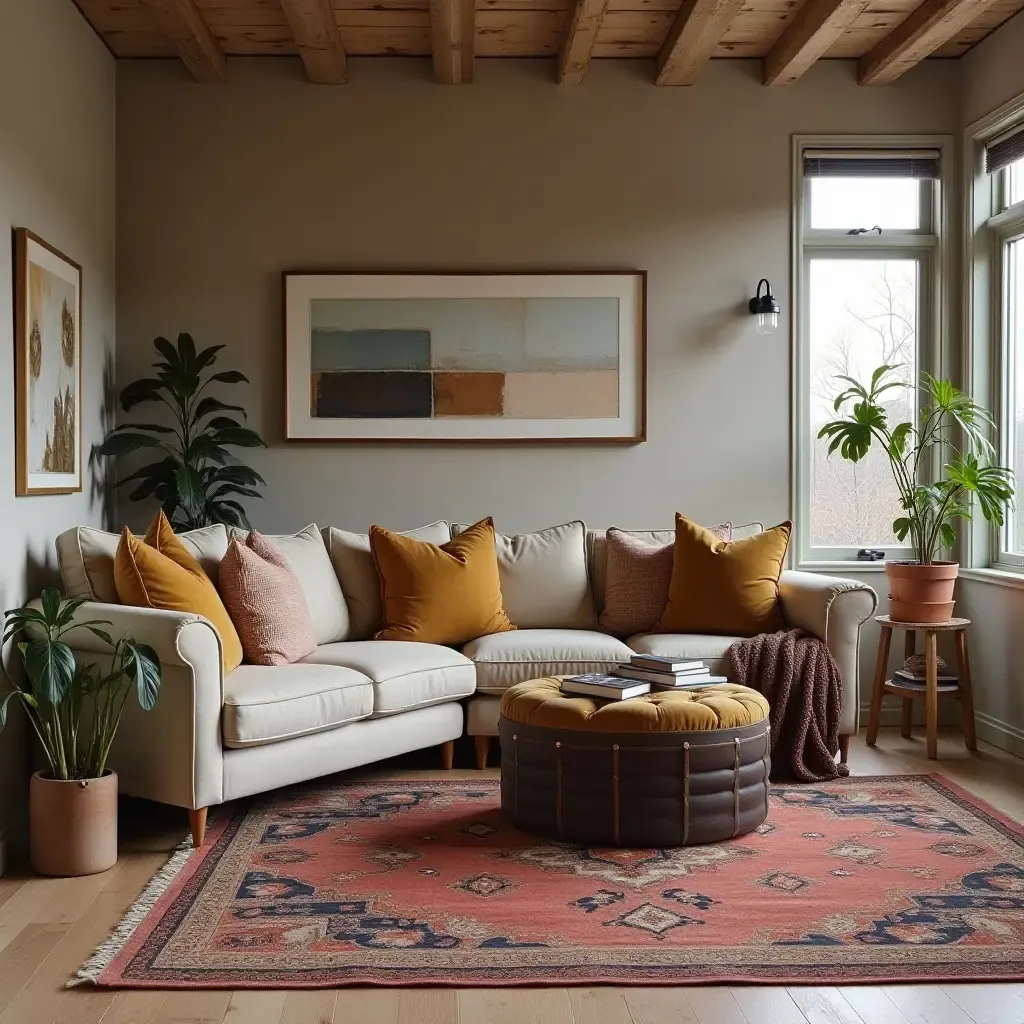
[{"x": 800, "y": 679}]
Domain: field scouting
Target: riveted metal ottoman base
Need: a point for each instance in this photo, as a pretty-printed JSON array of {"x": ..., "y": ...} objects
[{"x": 635, "y": 788}]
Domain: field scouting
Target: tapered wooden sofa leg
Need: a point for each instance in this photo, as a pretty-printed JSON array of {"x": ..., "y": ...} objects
[
  {"x": 197, "y": 823},
  {"x": 483, "y": 748},
  {"x": 844, "y": 748},
  {"x": 447, "y": 754}
]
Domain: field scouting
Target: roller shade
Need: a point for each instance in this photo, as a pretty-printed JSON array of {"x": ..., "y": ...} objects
[
  {"x": 871, "y": 163},
  {"x": 1004, "y": 149}
]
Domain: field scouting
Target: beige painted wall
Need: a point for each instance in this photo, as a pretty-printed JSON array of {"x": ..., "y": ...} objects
[
  {"x": 221, "y": 189},
  {"x": 57, "y": 178},
  {"x": 993, "y": 72}
]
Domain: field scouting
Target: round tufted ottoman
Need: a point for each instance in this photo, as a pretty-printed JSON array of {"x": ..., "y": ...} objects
[{"x": 667, "y": 769}]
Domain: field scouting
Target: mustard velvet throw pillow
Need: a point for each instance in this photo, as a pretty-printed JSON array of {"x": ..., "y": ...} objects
[
  {"x": 159, "y": 572},
  {"x": 725, "y": 587},
  {"x": 439, "y": 594}
]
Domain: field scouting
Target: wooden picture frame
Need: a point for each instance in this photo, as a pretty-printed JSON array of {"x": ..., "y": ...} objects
[
  {"x": 474, "y": 357},
  {"x": 47, "y": 368}
]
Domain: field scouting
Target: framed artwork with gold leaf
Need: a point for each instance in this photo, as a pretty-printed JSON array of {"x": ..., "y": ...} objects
[{"x": 47, "y": 368}]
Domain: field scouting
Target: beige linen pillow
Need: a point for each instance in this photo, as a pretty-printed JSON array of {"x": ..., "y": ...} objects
[
  {"x": 638, "y": 576},
  {"x": 544, "y": 579},
  {"x": 357, "y": 574},
  {"x": 86, "y": 558},
  {"x": 264, "y": 598},
  {"x": 307, "y": 555}
]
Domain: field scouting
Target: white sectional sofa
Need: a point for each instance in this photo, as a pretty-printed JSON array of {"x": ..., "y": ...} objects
[{"x": 356, "y": 700}]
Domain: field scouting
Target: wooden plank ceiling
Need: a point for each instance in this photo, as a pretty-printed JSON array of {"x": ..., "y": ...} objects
[{"x": 887, "y": 37}]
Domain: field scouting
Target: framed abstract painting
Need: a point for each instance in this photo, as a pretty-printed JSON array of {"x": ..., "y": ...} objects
[
  {"x": 48, "y": 368},
  {"x": 465, "y": 357}
]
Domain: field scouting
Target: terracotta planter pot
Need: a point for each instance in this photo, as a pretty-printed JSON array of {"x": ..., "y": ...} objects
[
  {"x": 921, "y": 593},
  {"x": 73, "y": 825}
]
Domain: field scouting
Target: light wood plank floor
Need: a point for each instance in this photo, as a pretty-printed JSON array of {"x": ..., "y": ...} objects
[{"x": 49, "y": 926}]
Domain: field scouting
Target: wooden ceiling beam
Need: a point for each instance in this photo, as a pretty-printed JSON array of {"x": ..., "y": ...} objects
[
  {"x": 315, "y": 31},
  {"x": 934, "y": 23},
  {"x": 574, "y": 58},
  {"x": 696, "y": 31},
  {"x": 181, "y": 22},
  {"x": 817, "y": 25},
  {"x": 452, "y": 27}
]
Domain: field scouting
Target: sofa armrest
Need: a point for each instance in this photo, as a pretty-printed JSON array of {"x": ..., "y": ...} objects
[
  {"x": 833, "y": 609},
  {"x": 173, "y": 753}
]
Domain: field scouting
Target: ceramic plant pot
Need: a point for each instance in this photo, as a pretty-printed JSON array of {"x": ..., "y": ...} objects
[
  {"x": 73, "y": 824},
  {"x": 921, "y": 593}
]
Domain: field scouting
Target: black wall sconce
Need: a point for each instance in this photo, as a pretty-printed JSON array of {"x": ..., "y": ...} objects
[{"x": 765, "y": 308}]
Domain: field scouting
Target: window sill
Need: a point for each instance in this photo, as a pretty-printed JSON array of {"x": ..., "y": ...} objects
[
  {"x": 841, "y": 566},
  {"x": 1000, "y": 577}
]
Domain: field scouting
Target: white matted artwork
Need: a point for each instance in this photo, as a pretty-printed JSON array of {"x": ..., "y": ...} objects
[
  {"x": 465, "y": 357},
  {"x": 48, "y": 368}
]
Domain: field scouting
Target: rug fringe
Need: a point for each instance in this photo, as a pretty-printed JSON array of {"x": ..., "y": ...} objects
[{"x": 104, "y": 954}]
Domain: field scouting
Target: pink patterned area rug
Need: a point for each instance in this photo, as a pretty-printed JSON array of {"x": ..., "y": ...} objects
[{"x": 887, "y": 879}]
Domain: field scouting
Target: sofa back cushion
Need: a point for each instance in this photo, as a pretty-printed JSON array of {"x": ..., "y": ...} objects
[
  {"x": 544, "y": 579},
  {"x": 264, "y": 598},
  {"x": 307, "y": 555},
  {"x": 86, "y": 558},
  {"x": 354, "y": 569}
]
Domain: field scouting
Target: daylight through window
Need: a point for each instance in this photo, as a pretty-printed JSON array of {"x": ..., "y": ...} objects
[
  {"x": 1005, "y": 166},
  {"x": 867, "y": 261}
]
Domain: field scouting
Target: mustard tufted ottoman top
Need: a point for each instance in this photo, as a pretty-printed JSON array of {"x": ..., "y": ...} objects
[{"x": 541, "y": 702}]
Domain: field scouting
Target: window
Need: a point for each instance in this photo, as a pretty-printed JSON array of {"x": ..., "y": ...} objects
[
  {"x": 1013, "y": 177},
  {"x": 867, "y": 265},
  {"x": 1004, "y": 163},
  {"x": 1013, "y": 382}
]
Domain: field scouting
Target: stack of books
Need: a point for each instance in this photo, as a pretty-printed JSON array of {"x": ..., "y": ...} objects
[
  {"x": 608, "y": 687},
  {"x": 916, "y": 681},
  {"x": 643, "y": 672},
  {"x": 668, "y": 673}
]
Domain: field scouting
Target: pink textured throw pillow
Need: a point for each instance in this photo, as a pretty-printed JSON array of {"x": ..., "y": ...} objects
[
  {"x": 637, "y": 580},
  {"x": 264, "y": 598}
]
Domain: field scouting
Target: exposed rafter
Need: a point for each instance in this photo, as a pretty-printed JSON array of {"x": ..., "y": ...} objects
[
  {"x": 698, "y": 28},
  {"x": 574, "y": 58},
  {"x": 933, "y": 23},
  {"x": 452, "y": 26},
  {"x": 817, "y": 25},
  {"x": 315, "y": 31},
  {"x": 181, "y": 22}
]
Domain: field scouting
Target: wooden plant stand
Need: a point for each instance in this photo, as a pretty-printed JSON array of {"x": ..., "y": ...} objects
[{"x": 931, "y": 693}]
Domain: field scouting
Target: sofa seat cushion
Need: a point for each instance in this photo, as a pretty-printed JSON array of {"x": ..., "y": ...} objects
[
  {"x": 265, "y": 704},
  {"x": 503, "y": 659},
  {"x": 704, "y": 647},
  {"x": 404, "y": 674}
]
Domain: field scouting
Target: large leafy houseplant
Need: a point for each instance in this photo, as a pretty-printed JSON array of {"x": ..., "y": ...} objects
[
  {"x": 195, "y": 476},
  {"x": 944, "y": 465},
  {"x": 952, "y": 426},
  {"x": 75, "y": 710}
]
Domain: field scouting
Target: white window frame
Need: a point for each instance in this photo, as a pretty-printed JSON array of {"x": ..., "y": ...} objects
[
  {"x": 986, "y": 362},
  {"x": 929, "y": 244}
]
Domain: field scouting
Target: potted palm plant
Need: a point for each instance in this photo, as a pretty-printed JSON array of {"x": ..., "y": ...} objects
[
  {"x": 943, "y": 467},
  {"x": 75, "y": 711}
]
